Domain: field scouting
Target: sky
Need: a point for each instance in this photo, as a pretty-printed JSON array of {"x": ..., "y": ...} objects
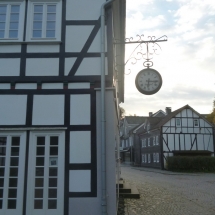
[{"x": 186, "y": 61}]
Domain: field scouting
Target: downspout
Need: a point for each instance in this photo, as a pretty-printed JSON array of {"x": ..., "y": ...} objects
[{"x": 103, "y": 117}]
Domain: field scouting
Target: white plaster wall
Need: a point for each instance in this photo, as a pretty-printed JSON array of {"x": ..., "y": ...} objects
[
  {"x": 76, "y": 9},
  {"x": 79, "y": 86},
  {"x": 84, "y": 206},
  {"x": 26, "y": 86},
  {"x": 48, "y": 110},
  {"x": 52, "y": 86},
  {"x": 79, "y": 181},
  {"x": 76, "y": 37},
  {"x": 69, "y": 62},
  {"x": 10, "y": 48},
  {"x": 80, "y": 147},
  {"x": 9, "y": 66},
  {"x": 5, "y": 86},
  {"x": 43, "y": 48},
  {"x": 184, "y": 113},
  {"x": 13, "y": 109},
  {"x": 189, "y": 113},
  {"x": 91, "y": 66},
  {"x": 80, "y": 110},
  {"x": 42, "y": 66},
  {"x": 188, "y": 142}
]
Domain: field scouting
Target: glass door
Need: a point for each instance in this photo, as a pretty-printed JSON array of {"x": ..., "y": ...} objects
[
  {"x": 12, "y": 161},
  {"x": 46, "y": 174}
]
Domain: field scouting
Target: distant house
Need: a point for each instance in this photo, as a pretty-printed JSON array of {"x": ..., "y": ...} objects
[
  {"x": 126, "y": 138},
  {"x": 182, "y": 132}
]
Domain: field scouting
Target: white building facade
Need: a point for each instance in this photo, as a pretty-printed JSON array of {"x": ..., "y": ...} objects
[{"x": 50, "y": 105}]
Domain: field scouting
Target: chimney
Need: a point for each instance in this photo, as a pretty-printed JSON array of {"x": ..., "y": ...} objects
[
  {"x": 168, "y": 110},
  {"x": 150, "y": 113}
]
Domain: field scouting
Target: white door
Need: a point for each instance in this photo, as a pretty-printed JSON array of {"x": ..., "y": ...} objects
[
  {"x": 45, "y": 190},
  {"x": 12, "y": 161}
]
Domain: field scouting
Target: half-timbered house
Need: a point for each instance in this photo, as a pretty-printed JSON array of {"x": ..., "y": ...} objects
[
  {"x": 61, "y": 80},
  {"x": 182, "y": 132}
]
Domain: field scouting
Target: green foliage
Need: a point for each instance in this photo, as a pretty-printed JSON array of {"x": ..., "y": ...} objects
[
  {"x": 211, "y": 117},
  {"x": 191, "y": 164}
]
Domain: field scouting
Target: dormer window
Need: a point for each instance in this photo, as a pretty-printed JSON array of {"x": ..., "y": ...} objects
[{"x": 178, "y": 122}]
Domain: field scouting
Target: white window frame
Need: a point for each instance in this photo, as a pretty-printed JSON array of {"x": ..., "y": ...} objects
[
  {"x": 29, "y": 32},
  {"x": 156, "y": 140},
  {"x": 143, "y": 141},
  {"x": 148, "y": 141},
  {"x": 154, "y": 158},
  {"x": 143, "y": 158},
  {"x": 149, "y": 158},
  {"x": 20, "y": 29},
  {"x": 196, "y": 120},
  {"x": 177, "y": 122},
  {"x": 157, "y": 157}
]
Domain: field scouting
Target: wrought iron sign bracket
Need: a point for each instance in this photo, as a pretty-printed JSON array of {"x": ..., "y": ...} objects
[{"x": 143, "y": 52}]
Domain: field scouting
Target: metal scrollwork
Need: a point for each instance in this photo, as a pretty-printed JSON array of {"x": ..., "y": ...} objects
[{"x": 145, "y": 49}]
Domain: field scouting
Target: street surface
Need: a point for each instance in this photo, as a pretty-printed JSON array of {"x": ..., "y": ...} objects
[{"x": 168, "y": 193}]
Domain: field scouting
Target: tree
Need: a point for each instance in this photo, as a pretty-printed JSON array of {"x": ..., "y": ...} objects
[
  {"x": 122, "y": 112},
  {"x": 211, "y": 116}
]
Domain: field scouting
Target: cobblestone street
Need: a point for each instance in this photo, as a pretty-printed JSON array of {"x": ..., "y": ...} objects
[{"x": 168, "y": 193}]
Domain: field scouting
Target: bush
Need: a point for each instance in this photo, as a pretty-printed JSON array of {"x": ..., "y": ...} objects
[{"x": 191, "y": 164}]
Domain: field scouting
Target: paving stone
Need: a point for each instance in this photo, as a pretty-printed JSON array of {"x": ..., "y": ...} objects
[{"x": 166, "y": 193}]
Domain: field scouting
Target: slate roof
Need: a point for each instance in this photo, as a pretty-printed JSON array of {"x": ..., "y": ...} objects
[{"x": 172, "y": 114}]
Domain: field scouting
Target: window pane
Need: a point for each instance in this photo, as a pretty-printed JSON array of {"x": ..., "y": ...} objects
[
  {"x": 3, "y": 9},
  {"x": 51, "y": 8},
  {"x": 11, "y": 204},
  {"x": 1, "y": 171},
  {"x": 40, "y": 140},
  {"x": 12, "y": 193},
  {"x": 38, "y": 193},
  {"x": 1, "y": 193},
  {"x": 2, "y": 25},
  {"x": 13, "y": 34},
  {"x": 40, "y": 161},
  {"x": 14, "y": 172},
  {"x": 37, "y": 25},
  {"x": 15, "y": 141},
  {"x": 14, "y": 25},
  {"x": 52, "y": 193},
  {"x": 13, "y": 182},
  {"x": 50, "y": 34},
  {"x": 14, "y": 161},
  {"x": 38, "y": 204},
  {"x": 38, "y": 8},
  {"x": 52, "y": 204},
  {"x": 2, "y": 18},
  {"x": 2, "y": 161},
  {"x": 39, "y": 171},
  {"x": 53, "y": 150},
  {"x": 1, "y": 34},
  {"x": 15, "y": 8},
  {"x": 1, "y": 182},
  {"x": 53, "y": 171},
  {"x": 39, "y": 182},
  {"x": 52, "y": 182},
  {"x": 15, "y": 151},
  {"x": 54, "y": 140},
  {"x": 38, "y": 16},
  {"x": 50, "y": 25},
  {"x": 3, "y": 141},
  {"x": 14, "y": 17},
  {"x": 51, "y": 16},
  {"x": 40, "y": 150},
  {"x": 0, "y": 204}
]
